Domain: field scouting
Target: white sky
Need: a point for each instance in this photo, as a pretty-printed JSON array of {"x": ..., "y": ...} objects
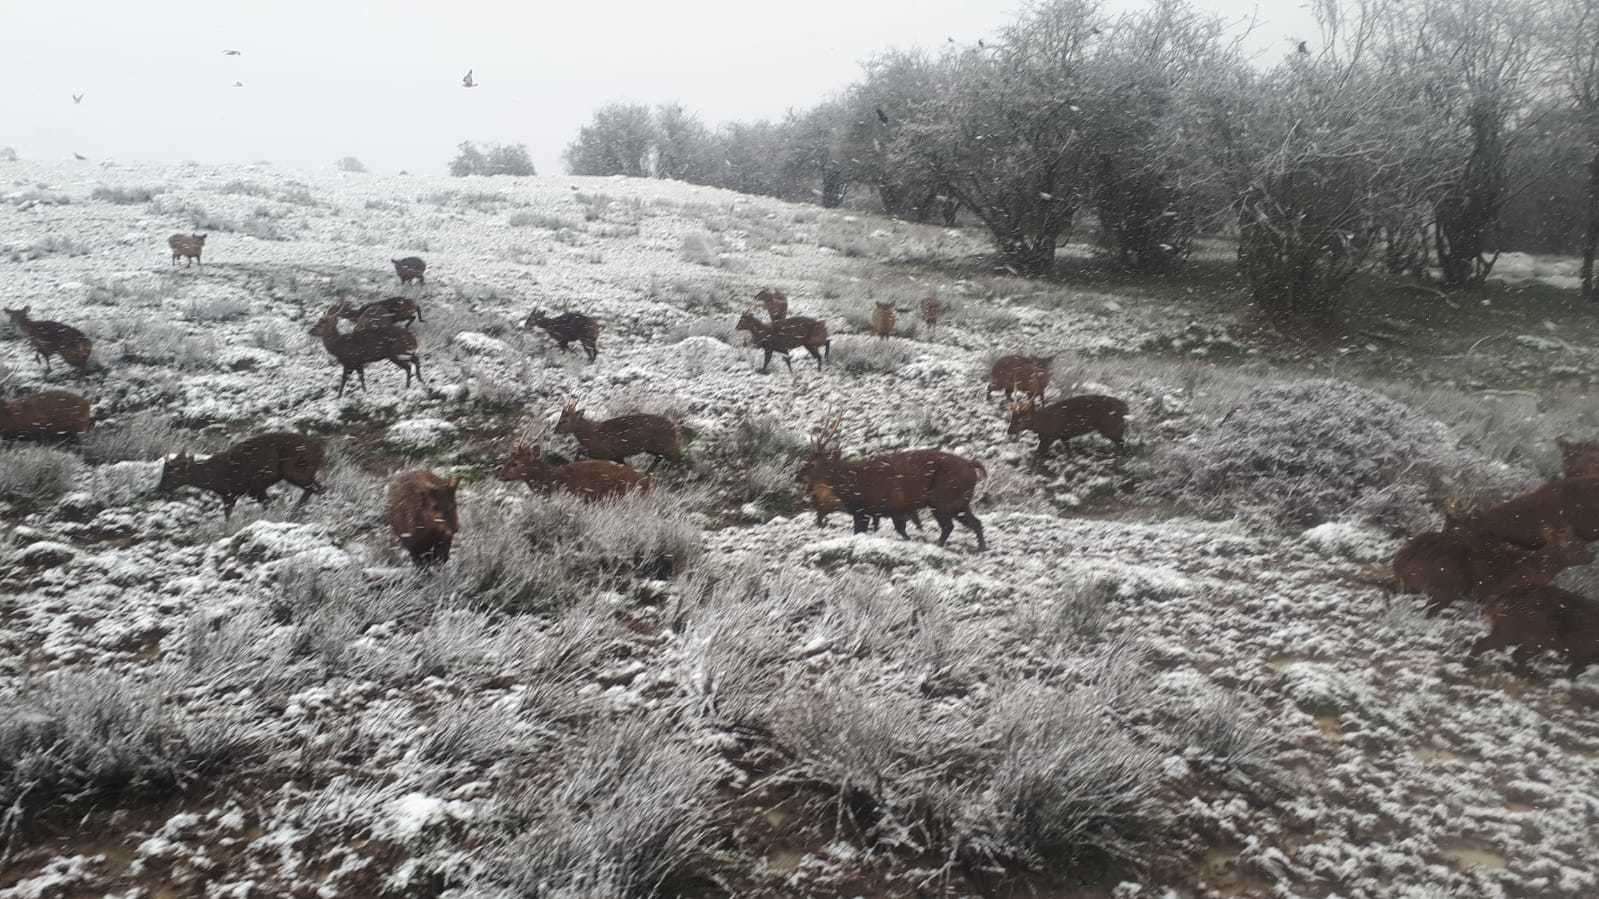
[{"x": 381, "y": 81}]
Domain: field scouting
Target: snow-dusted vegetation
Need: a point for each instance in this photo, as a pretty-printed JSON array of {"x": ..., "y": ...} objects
[{"x": 1174, "y": 668}]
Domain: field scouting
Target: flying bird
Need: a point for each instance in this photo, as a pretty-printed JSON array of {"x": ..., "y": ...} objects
[
  {"x": 77, "y": 98},
  {"x": 882, "y": 116},
  {"x": 79, "y": 156},
  {"x": 466, "y": 80},
  {"x": 1304, "y": 48},
  {"x": 980, "y": 43},
  {"x": 238, "y": 84},
  {"x": 230, "y": 53}
]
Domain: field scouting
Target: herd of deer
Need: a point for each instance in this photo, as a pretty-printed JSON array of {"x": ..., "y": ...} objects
[{"x": 1506, "y": 556}]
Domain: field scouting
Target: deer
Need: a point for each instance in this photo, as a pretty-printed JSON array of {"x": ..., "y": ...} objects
[
  {"x": 187, "y": 247},
  {"x": 589, "y": 479},
  {"x": 48, "y": 339},
  {"x": 388, "y": 311},
  {"x": 785, "y": 335},
  {"x": 1071, "y": 417},
  {"x": 248, "y": 468},
  {"x": 1538, "y": 617},
  {"x": 894, "y": 484},
  {"x": 1029, "y": 374},
  {"x": 1457, "y": 563},
  {"x": 363, "y": 346},
  {"x": 883, "y": 320},
  {"x": 422, "y": 514},
  {"x": 1564, "y": 504},
  {"x": 46, "y": 414},
  {"x": 932, "y": 311},
  {"x": 776, "y": 303},
  {"x": 411, "y": 268},
  {"x": 615, "y": 439},
  {"x": 568, "y": 327},
  {"x": 1578, "y": 458}
]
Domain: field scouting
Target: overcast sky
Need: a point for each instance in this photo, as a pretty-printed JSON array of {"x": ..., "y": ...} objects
[{"x": 381, "y": 81}]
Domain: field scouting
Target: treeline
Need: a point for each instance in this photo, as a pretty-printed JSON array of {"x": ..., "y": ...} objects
[{"x": 1416, "y": 136}]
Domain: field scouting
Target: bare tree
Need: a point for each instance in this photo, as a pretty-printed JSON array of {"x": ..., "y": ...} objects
[{"x": 1573, "y": 35}]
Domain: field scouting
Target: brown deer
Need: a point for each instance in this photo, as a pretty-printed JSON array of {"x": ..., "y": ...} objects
[
  {"x": 422, "y": 514},
  {"x": 893, "y": 484},
  {"x": 883, "y": 320},
  {"x": 1071, "y": 417},
  {"x": 1542, "y": 617},
  {"x": 785, "y": 335},
  {"x": 1564, "y": 504},
  {"x": 53, "y": 339},
  {"x": 364, "y": 346},
  {"x": 776, "y": 303},
  {"x": 249, "y": 467},
  {"x": 615, "y": 439},
  {"x": 1029, "y": 374},
  {"x": 588, "y": 479},
  {"x": 48, "y": 413},
  {"x": 1578, "y": 458},
  {"x": 389, "y": 311},
  {"x": 932, "y": 311},
  {"x": 568, "y": 327},
  {"x": 187, "y": 247},
  {"x": 1457, "y": 563},
  {"x": 826, "y": 502},
  {"x": 411, "y": 268}
]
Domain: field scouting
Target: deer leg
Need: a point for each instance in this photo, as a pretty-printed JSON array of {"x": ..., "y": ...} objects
[
  {"x": 815, "y": 354},
  {"x": 862, "y": 520},
  {"x": 343, "y": 380},
  {"x": 789, "y": 362},
  {"x": 767, "y": 362},
  {"x": 899, "y": 525},
  {"x": 227, "y": 506},
  {"x": 360, "y": 373},
  {"x": 966, "y": 517},
  {"x": 404, "y": 366},
  {"x": 946, "y": 525},
  {"x": 416, "y": 362}
]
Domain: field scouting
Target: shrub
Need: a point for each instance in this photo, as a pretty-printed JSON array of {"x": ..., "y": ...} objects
[
  {"x": 35, "y": 476},
  {"x": 126, "y": 196},
  {"x": 68, "y": 738},
  {"x": 216, "y": 309},
  {"x": 859, "y": 355},
  {"x": 499, "y": 159},
  {"x": 530, "y": 219},
  {"x": 1308, "y": 452},
  {"x": 634, "y": 807},
  {"x": 140, "y": 437},
  {"x": 350, "y": 164},
  {"x": 701, "y": 248}
]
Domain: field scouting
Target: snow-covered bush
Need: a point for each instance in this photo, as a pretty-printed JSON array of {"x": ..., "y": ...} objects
[
  {"x": 125, "y": 196},
  {"x": 350, "y": 164},
  {"x": 70, "y": 737},
  {"x": 35, "y": 476},
  {"x": 139, "y": 437},
  {"x": 859, "y": 355},
  {"x": 633, "y": 806},
  {"x": 1307, "y": 452}
]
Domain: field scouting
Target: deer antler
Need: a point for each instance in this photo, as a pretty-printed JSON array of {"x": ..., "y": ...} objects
[{"x": 825, "y": 439}]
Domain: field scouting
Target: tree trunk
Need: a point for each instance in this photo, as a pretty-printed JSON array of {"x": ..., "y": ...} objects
[
  {"x": 834, "y": 187},
  {"x": 1590, "y": 240}
]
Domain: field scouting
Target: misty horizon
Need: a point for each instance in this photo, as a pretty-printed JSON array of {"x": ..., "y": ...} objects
[{"x": 321, "y": 83}]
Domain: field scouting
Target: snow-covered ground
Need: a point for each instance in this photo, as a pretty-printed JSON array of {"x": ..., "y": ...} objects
[{"x": 1384, "y": 766}]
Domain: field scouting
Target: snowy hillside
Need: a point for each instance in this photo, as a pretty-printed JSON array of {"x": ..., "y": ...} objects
[{"x": 700, "y": 692}]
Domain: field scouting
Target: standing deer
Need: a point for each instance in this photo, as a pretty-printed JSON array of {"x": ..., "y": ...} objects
[
  {"x": 48, "y": 339},
  {"x": 883, "y": 320},
  {"x": 363, "y": 346},
  {"x": 893, "y": 484},
  {"x": 786, "y": 335},
  {"x": 187, "y": 247},
  {"x": 422, "y": 514},
  {"x": 932, "y": 311}
]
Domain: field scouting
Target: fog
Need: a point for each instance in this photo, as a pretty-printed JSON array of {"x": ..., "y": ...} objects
[{"x": 382, "y": 82}]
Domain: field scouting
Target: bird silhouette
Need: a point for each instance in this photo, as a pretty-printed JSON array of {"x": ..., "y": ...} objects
[
  {"x": 466, "y": 80},
  {"x": 238, "y": 84},
  {"x": 79, "y": 156},
  {"x": 230, "y": 53},
  {"x": 980, "y": 43},
  {"x": 77, "y": 98},
  {"x": 1304, "y": 48},
  {"x": 882, "y": 116}
]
